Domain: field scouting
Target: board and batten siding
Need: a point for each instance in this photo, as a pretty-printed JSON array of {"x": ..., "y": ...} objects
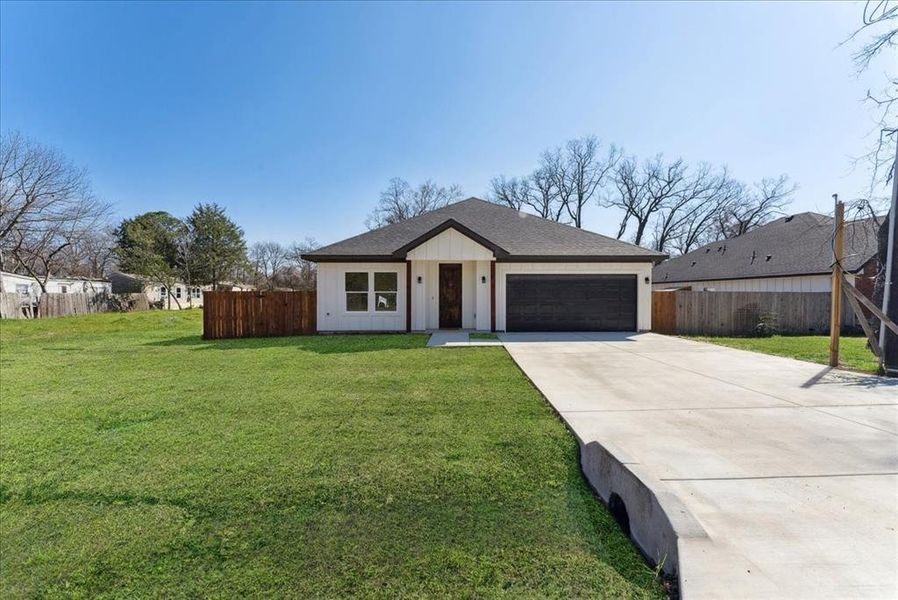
[
  {"x": 640, "y": 270},
  {"x": 426, "y": 295},
  {"x": 332, "y": 313},
  {"x": 798, "y": 283},
  {"x": 450, "y": 246}
]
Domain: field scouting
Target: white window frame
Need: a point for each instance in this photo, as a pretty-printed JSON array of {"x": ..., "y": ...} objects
[
  {"x": 374, "y": 291},
  {"x": 371, "y": 310}
]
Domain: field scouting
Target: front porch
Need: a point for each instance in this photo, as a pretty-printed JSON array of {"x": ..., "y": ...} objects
[{"x": 450, "y": 295}]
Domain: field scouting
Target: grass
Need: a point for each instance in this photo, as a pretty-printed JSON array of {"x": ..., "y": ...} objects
[
  {"x": 140, "y": 461},
  {"x": 853, "y": 351},
  {"x": 480, "y": 335}
]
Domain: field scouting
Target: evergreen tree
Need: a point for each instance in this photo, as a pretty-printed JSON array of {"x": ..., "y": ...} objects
[
  {"x": 218, "y": 247},
  {"x": 147, "y": 246}
]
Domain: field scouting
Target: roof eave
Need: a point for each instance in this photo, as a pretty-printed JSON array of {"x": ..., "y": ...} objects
[
  {"x": 624, "y": 258},
  {"x": 351, "y": 258}
]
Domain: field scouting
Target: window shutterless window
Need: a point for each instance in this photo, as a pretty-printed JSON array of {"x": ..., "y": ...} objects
[
  {"x": 356, "y": 292},
  {"x": 385, "y": 290},
  {"x": 177, "y": 292}
]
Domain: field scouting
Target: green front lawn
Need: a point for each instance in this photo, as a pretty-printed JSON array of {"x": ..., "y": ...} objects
[
  {"x": 853, "y": 351},
  {"x": 137, "y": 460}
]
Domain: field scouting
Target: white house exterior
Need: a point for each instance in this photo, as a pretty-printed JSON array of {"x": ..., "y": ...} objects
[
  {"x": 28, "y": 287},
  {"x": 182, "y": 295},
  {"x": 796, "y": 283},
  {"x": 479, "y": 266}
]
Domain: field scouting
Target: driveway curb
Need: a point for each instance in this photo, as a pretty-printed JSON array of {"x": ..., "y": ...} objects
[{"x": 657, "y": 522}]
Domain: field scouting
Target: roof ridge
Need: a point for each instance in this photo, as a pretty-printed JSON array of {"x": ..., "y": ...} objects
[{"x": 555, "y": 223}]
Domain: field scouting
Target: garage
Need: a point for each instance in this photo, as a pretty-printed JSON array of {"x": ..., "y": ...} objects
[{"x": 570, "y": 302}]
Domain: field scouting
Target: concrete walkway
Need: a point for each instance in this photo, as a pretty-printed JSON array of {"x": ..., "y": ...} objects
[
  {"x": 756, "y": 476},
  {"x": 444, "y": 339}
]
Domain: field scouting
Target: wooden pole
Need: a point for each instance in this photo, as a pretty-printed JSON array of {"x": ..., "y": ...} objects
[{"x": 835, "y": 317}]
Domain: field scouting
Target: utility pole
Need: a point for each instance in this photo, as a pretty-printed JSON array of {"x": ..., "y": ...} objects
[
  {"x": 835, "y": 307},
  {"x": 888, "y": 341}
]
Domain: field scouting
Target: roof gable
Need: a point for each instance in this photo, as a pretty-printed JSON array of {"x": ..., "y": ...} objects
[{"x": 450, "y": 241}]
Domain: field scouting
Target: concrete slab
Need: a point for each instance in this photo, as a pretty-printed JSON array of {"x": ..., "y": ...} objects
[
  {"x": 445, "y": 339},
  {"x": 777, "y": 477}
]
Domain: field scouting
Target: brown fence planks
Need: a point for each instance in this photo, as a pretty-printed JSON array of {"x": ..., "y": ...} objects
[
  {"x": 738, "y": 313},
  {"x": 664, "y": 312},
  {"x": 258, "y": 314}
]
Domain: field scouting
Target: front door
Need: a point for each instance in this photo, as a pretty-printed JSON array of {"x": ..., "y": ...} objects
[{"x": 450, "y": 296}]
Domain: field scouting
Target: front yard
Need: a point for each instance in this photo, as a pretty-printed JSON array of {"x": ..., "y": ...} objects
[
  {"x": 140, "y": 461},
  {"x": 853, "y": 351}
]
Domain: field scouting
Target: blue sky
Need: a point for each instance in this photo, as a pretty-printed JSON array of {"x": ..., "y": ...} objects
[{"x": 295, "y": 116}]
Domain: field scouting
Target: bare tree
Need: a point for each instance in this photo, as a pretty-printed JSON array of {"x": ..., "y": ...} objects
[
  {"x": 577, "y": 172},
  {"x": 91, "y": 254},
  {"x": 756, "y": 206},
  {"x": 513, "y": 192},
  {"x": 696, "y": 223},
  {"x": 537, "y": 192},
  {"x": 644, "y": 191},
  {"x": 268, "y": 259},
  {"x": 301, "y": 274},
  {"x": 45, "y": 205},
  {"x": 879, "y": 18},
  {"x": 681, "y": 207},
  {"x": 400, "y": 201}
]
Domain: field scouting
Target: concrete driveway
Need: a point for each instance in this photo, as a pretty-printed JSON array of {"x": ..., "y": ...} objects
[{"x": 751, "y": 475}]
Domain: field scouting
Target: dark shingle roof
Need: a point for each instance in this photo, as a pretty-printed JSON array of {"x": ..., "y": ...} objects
[
  {"x": 511, "y": 234},
  {"x": 796, "y": 245}
]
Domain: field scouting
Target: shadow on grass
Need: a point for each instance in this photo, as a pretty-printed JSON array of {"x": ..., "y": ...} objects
[
  {"x": 46, "y": 492},
  {"x": 319, "y": 344}
]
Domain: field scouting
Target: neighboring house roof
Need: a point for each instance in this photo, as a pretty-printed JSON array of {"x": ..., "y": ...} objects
[
  {"x": 796, "y": 245},
  {"x": 510, "y": 234}
]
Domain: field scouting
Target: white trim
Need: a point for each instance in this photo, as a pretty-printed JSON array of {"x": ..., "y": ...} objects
[
  {"x": 640, "y": 270},
  {"x": 372, "y": 309}
]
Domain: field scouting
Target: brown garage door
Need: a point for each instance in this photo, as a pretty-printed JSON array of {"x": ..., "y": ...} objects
[{"x": 570, "y": 303}]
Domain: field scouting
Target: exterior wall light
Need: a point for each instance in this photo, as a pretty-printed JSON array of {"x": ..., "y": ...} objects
[
  {"x": 646, "y": 279},
  {"x": 420, "y": 280},
  {"x": 483, "y": 279}
]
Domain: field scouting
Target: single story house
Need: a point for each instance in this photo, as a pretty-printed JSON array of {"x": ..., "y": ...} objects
[
  {"x": 480, "y": 266},
  {"x": 790, "y": 254},
  {"x": 27, "y": 286},
  {"x": 181, "y": 295}
]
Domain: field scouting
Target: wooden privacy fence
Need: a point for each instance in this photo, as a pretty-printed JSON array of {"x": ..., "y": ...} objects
[
  {"x": 739, "y": 313},
  {"x": 258, "y": 314},
  {"x": 17, "y": 306},
  {"x": 64, "y": 305}
]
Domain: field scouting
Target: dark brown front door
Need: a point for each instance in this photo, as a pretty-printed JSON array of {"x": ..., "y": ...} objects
[{"x": 450, "y": 296}]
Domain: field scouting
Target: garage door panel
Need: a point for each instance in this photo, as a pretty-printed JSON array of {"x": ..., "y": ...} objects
[{"x": 570, "y": 302}]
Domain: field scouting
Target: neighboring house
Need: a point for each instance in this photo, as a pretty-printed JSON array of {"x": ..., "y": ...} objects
[
  {"x": 790, "y": 254},
  {"x": 182, "y": 295},
  {"x": 478, "y": 265},
  {"x": 30, "y": 290}
]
